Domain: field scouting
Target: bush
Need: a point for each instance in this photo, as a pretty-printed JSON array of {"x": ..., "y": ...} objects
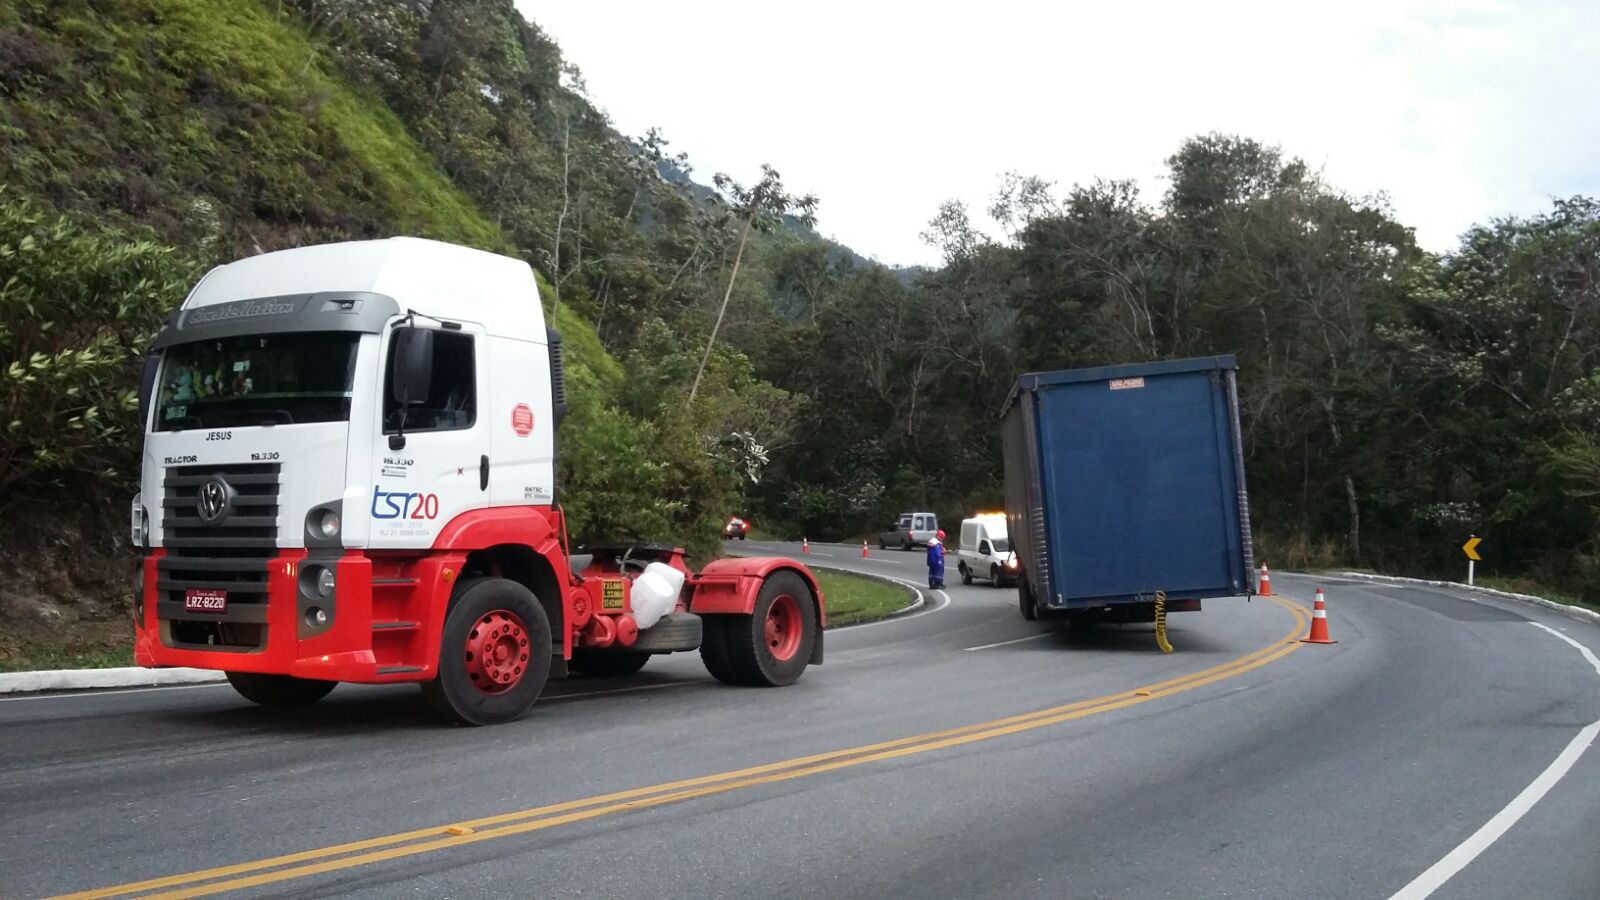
[{"x": 77, "y": 308}]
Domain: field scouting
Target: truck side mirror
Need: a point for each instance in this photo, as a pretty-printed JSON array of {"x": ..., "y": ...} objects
[{"x": 412, "y": 358}]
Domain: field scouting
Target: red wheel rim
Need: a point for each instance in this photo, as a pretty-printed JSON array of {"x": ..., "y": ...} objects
[
  {"x": 784, "y": 628},
  {"x": 497, "y": 652}
]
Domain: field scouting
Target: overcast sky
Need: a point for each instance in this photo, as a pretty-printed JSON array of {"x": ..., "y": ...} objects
[{"x": 1458, "y": 111}]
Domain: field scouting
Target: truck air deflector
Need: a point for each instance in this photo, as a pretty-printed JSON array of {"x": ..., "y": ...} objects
[{"x": 352, "y": 311}]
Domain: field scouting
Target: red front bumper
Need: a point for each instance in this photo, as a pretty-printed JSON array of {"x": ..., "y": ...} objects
[{"x": 168, "y": 635}]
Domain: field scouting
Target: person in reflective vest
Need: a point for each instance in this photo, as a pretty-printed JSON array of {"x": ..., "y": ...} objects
[{"x": 936, "y": 561}]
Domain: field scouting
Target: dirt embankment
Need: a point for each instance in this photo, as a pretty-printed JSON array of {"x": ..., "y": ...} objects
[{"x": 66, "y": 589}]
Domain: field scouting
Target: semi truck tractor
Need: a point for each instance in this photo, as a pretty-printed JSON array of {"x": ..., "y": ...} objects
[
  {"x": 1125, "y": 490},
  {"x": 349, "y": 474}
]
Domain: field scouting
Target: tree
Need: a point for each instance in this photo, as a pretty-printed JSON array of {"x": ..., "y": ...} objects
[{"x": 761, "y": 207}]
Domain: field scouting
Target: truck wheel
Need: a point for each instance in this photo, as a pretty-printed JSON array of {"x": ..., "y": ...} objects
[
  {"x": 994, "y": 575},
  {"x": 905, "y": 544},
  {"x": 602, "y": 664},
  {"x": 882, "y": 545},
  {"x": 279, "y": 690},
  {"x": 1030, "y": 610},
  {"x": 772, "y": 646},
  {"x": 966, "y": 576},
  {"x": 494, "y": 656},
  {"x": 714, "y": 649}
]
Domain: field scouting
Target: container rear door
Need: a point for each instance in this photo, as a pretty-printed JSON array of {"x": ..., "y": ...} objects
[{"x": 1139, "y": 488}]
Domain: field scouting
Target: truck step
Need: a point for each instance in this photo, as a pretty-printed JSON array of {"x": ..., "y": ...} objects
[
  {"x": 395, "y": 625},
  {"x": 393, "y": 582},
  {"x": 398, "y": 670}
]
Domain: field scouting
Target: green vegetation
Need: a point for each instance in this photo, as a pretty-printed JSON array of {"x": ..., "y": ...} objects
[
  {"x": 212, "y": 122},
  {"x": 100, "y": 658},
  {"x": 75, "y": 309},
  {"x": 1394, "y": 400},
  {"x": 1533, "y": 588},
  {"x": 853, "y": 599}
]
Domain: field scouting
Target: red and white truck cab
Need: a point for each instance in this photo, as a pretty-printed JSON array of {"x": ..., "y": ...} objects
[{"x": 349, "y": 475}]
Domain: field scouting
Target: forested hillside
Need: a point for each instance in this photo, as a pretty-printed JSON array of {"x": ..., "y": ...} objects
[{"x": 1394, "y": 400}]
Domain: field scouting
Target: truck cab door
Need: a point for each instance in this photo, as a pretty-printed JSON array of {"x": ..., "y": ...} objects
[{"x": 430, "y": 460}]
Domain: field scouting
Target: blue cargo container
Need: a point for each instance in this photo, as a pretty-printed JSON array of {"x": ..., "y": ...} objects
[{"x": 1123, "y": 481}]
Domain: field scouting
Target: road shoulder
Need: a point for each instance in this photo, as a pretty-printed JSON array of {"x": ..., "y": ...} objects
[{"x": 1571, "y": 612}]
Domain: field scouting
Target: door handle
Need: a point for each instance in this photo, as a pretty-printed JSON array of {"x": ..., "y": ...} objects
[{"x": 483, "y": 473}]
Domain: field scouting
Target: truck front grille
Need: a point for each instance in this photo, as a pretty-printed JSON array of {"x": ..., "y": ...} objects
[{"x": 230, "y": 554}]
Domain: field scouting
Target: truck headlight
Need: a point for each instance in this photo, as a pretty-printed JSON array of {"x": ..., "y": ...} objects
[
  {"x": 1011, "y": 563},
  {"x": 324, "y": 524}
]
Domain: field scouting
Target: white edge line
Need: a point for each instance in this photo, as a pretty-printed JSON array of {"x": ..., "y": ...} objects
[
  {"x": 580, "y": 695},
  {"x": 1031, "y": 637},
  {"x": 1480, "y": 840},
  {"x": 110, "y": 692},
  {"x": 114, "y": 692}
]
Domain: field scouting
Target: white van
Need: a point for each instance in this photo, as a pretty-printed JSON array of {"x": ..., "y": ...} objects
[{"x": 986, "y": 550}]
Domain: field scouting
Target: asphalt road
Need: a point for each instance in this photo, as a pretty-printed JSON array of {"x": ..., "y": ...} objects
[{"x": 955, "y": 751}]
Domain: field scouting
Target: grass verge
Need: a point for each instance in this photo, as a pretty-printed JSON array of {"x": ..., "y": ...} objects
[
  {"x": 1528, "y": 586},
  {"x": 854, "y": 599},
  {"x": 34, "y": 660}
]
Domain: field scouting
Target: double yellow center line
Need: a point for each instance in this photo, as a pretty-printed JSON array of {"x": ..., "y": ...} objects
[{"x": 443, "y": 837}]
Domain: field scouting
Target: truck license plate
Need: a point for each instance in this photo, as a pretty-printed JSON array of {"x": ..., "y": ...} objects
[{"x": 198, "y": 600}]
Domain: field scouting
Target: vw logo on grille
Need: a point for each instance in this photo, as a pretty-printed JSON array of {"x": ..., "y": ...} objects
[{"x": 212, "y": 501}]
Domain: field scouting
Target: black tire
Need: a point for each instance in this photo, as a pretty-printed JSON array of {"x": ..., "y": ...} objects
[
  {"x": 714, "y": 649},
  {"x": 741, "y": 537},
  {"x": 453, "y": 692},
  {"x": 1082, "y": 622},
  {"x": 994, "y": 576},
  {"x": 749, "y": 656},
  {"x": 966, "y": 576},
  {"x": 882, "y": 545},
  {"x": 279, "y": 690},
  {"x": 1030, "y": 609},
  {"x": 905, "y": 544},
  {"x": 607, "y": 664}
]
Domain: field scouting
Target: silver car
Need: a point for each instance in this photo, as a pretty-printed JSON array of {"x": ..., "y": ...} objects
[{"x": 912, "y": 530}]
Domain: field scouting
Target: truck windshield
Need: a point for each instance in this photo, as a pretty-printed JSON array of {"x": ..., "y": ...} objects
[
  {"x": 1001, "y": 545},
  {"x": 257, "y": 379}
]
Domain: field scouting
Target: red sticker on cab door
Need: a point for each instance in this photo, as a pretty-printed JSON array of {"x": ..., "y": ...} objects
[{"x": 522, "y": 419}]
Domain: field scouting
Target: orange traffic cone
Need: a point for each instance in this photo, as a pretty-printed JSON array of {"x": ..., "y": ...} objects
[
  {"x": 1319, "y": 624},
  {"x": 1266, "y": 582},
  {"x": 805, "y": 546},
  {"x": 864, "y": 553}
]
